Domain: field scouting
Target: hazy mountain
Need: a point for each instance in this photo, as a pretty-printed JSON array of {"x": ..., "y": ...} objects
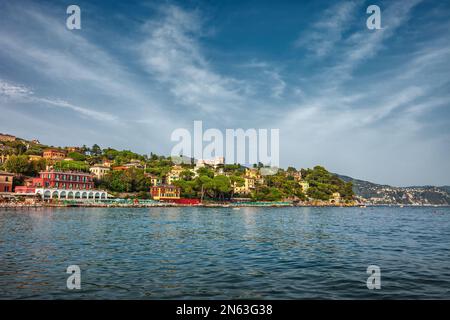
[{"x": 385, "y": 194}]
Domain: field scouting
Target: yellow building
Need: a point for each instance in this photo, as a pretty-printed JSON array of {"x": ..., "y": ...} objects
[
  {"x": 99, "y": 171},
  {"x": 154, "y": 180},
  {"x": 4, "y": 158},
  {"x": 255, "y": 175},
  {"x": 33, "y": 157},
  {"x": 165, "y": 192},
  {"x": 247, "y": 187},
  {"x": 174, "y": 174},
  {"x": 335, "y": 197}
]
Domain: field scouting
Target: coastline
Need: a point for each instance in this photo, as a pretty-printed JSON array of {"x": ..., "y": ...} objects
[{"x": 208, "y": 205}]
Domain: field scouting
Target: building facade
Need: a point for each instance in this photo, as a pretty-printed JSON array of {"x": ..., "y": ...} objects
[
  {"x": 54, "y": 154},
  {"x": 99, "y": 171},
  {"x": 154, "y": 179},
  {"x": 4, "y": 158},
  {"x": 33, "y": 157},
  {"x": 174, "y": 174},
  {"x": 165, "y": 192},
  {"x": 6, "y": 181},
  {"x": 7, "y": 137},
  {"x": 63, "y": 180}
]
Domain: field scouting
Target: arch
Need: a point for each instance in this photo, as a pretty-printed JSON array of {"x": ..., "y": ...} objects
[
  {"x": 91, "y": 195},
  {"x": 63, "y": 195},
  {"x": 103, "y": 195},
  {"x": 47, "y": 194},
  {"x": 55, "y": 195},
  {"x": 84, "y": 195},
  {"x": 70, "y": 195},
  {"x": 77, "y": 195},
  {"x": 97, "y": 195}
]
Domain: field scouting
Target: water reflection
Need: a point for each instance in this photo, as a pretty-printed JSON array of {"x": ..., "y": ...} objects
[{"x": 225, "y": 253}]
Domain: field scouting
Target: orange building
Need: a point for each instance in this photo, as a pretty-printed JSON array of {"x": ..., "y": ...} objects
[
  {"x": 54, "y": 154},
  {"x": 120, "y": 168},
  {"x": 6, "y": 181}
]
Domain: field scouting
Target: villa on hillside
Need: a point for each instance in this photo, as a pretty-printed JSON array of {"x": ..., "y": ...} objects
[
  {"x": 54, "y": 154},
  {"x": 99, "y": 171}
]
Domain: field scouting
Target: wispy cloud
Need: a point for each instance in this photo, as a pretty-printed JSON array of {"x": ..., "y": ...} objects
[
  {"x": 22, "y": 94},
  {"x": 172, "y": 53},
  {"x": 328, "y": 31}
]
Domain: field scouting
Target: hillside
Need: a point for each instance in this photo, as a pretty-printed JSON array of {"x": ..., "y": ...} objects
[{"x": 385, "y": 194}]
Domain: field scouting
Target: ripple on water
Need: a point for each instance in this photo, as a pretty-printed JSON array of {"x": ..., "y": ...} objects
[{"x": 252, "y": 253}]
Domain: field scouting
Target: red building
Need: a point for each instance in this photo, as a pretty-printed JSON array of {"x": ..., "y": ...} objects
[{"x": 62, "y": 180}]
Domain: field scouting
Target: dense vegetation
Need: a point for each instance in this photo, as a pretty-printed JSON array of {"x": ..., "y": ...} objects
[{"x": 206, "y": 184}]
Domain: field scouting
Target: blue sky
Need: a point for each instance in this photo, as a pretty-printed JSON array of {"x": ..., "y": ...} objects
[{"x": 372, "y": 104}]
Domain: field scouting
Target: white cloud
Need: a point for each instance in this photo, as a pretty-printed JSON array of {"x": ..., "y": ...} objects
[
  {"x": 172, "y": 53},
  {"x": 328, "y": 31},
  {"x": 23, "y": 94}
]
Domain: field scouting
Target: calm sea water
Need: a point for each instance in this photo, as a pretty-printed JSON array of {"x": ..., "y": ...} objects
[{"x": 250, "y": 253}]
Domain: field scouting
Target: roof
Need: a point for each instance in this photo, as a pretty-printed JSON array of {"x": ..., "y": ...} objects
[{"x": 165, "y": 186}]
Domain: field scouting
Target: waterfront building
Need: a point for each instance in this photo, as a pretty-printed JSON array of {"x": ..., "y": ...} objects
[
  {"x": 99, "y": 171},
  {"x": 63, "y": 180},
  {"x": 165, "y": 192},
  {"x": 335, "y": 197},
  {"x": 62, "y": 194},
  {"x": 67, "y": 185},
  {"x": 54, "y": 154},
  {"x": 6, "y": 181}
]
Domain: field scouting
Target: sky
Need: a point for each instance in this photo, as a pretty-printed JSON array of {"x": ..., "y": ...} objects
[{"x": 371, "y": 104}]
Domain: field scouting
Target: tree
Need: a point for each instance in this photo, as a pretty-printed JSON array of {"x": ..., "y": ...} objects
[
  {"x": 187, "y": 175},
  {"x": 96, "y": 150},
  {"x": 71, "y": 165},
  {"x": 206, "y": 184},
  {"x": 76, "y": 156},
  {"x": 221, "y": 186},
  {"x": 17, "y": 164}
]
